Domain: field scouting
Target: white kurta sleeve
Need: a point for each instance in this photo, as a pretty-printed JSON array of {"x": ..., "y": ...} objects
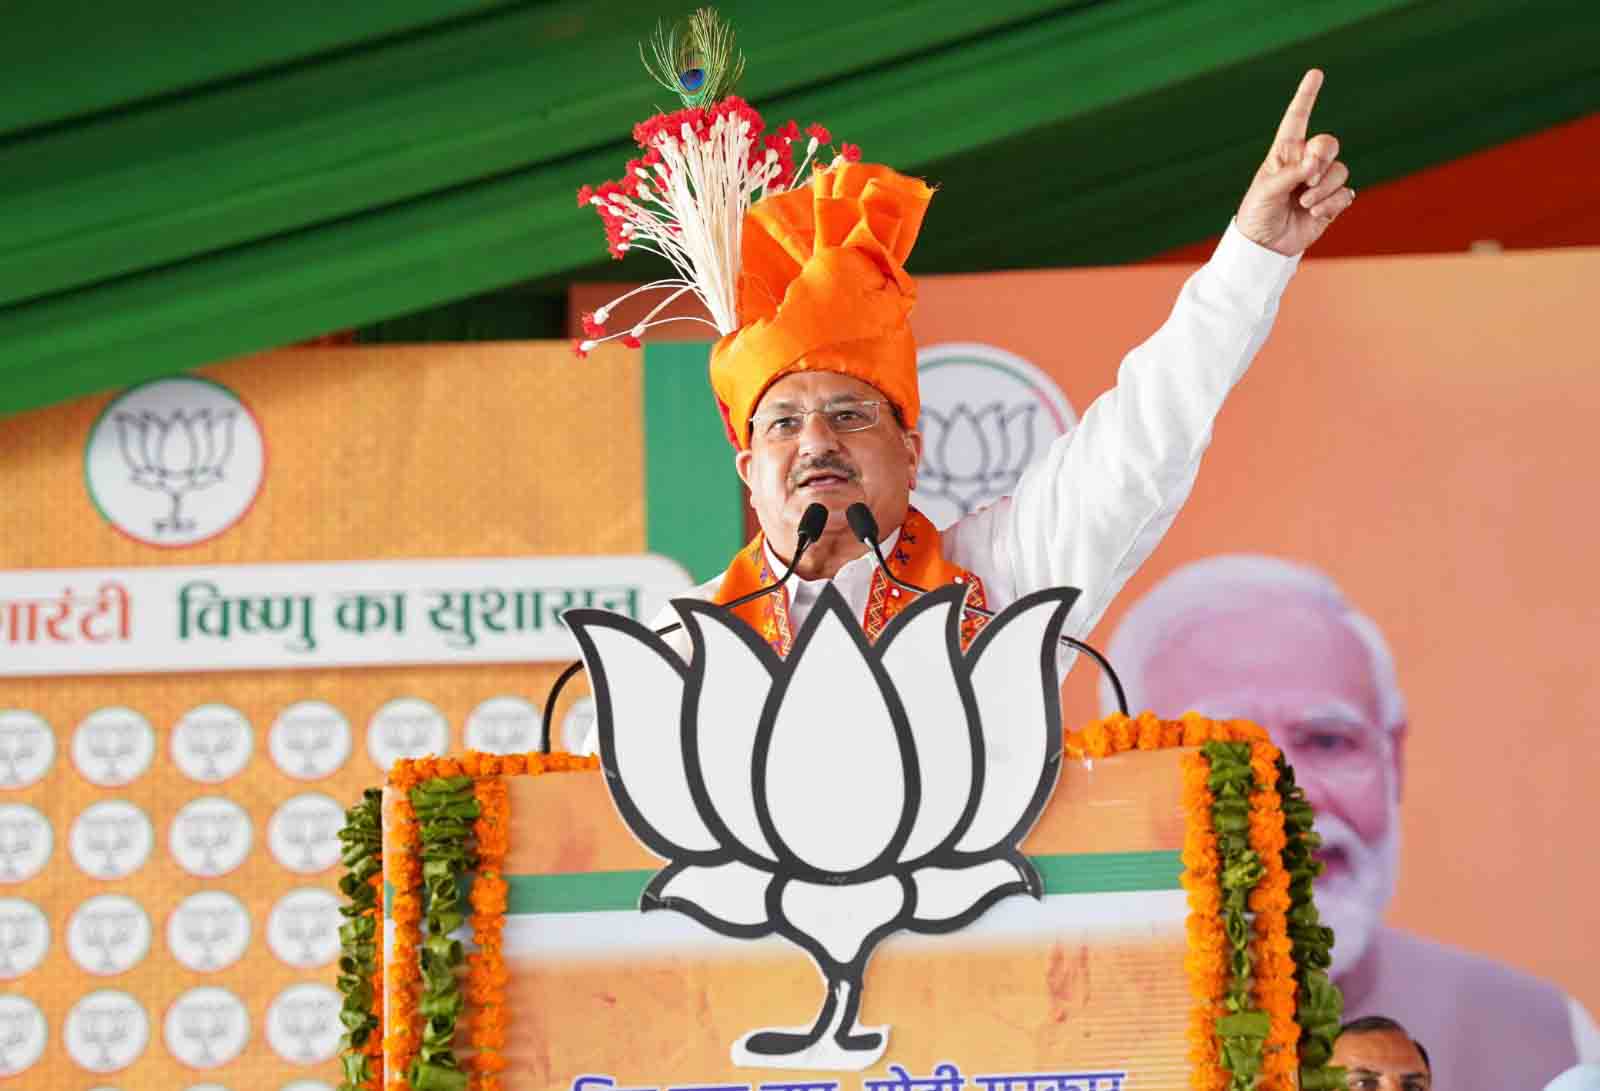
[{"x": 1094, "y": 507}]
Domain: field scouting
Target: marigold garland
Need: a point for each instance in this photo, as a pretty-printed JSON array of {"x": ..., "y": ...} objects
[
  {"x": 486, "y": 968},
  {"x": 1271, "y": 950},
  {"x": 1206, "y": 959},
  {"x": 403, "y": 874},
  {"x": 374, "y": 1046},
  {"x": 390, "y": 1052},
  {"x": 1281, "y": 959},
  {"x": 1319, "y": 1006}
]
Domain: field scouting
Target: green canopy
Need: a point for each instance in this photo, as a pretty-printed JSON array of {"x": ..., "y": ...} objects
[{"x": 181, "y": 184}]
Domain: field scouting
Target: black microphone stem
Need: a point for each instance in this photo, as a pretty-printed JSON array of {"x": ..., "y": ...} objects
[
  {"x": 810, "y": 530},
  {"x": 1105, "y": 665}
]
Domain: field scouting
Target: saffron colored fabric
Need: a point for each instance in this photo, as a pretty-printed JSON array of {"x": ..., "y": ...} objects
[{"x": 823, "y": 287}]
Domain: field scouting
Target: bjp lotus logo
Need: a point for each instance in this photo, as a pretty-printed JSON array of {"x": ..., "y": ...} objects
[
  {"x": 987, "y": 415},
  {"x": 973, "y": 456},
  {"x": 175, "y": 461},
  {"x": 835, "y": 797},
  {"x": 176, "y": 454}
]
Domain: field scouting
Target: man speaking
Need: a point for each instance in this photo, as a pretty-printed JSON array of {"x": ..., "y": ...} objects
[{"x": 818, "y": 388}]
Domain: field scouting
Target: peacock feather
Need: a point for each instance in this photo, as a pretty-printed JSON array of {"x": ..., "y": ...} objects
[{"x": 696, "y": 59}]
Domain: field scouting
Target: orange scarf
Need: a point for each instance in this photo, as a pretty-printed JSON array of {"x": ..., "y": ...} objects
[{"x": 917, "y": 559}]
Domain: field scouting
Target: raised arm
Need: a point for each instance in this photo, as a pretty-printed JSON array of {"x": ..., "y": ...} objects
[{"x": 1091, "y": 511}]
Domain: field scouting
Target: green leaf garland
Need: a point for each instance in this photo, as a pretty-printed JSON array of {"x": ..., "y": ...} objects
[
  {"x": 1242, "y": 1032},
  {"x": 445, "y": 808},
  {"x": 362, "y": 855},
  {"x": 1319, "y": 1006}
]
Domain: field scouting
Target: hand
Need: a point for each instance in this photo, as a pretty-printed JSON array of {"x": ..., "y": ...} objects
[{"x": 1300, "y": 188}]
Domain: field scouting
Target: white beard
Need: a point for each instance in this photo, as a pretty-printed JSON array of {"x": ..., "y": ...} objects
[{"x": 1353, "y": 905}]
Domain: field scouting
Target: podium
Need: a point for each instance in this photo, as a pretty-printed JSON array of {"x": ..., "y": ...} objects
[{"x": 1143, "y": 919}]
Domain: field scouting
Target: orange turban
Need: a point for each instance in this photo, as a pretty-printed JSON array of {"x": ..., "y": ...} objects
[{"x": 823, "y": 287}]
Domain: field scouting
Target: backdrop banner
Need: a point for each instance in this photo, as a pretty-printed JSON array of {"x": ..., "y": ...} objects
[
  {"x": 291, "y": 616},
  {"x": 1414, "y": 436},
  {"x": 229, "y": 602},
  {"x": 1416, "y": 440}
]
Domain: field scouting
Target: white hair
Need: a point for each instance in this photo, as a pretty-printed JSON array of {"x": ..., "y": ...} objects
[{"x": 1225, "y": 584}]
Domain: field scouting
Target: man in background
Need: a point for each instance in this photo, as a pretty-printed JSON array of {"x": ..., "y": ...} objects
[
  {"x": 1377, "y": 1054},
  {"x": 1262, "y": 639}
]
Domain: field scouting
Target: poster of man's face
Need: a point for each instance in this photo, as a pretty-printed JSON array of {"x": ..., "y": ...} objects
[
  {"x": 1276, "y": 642},
  {"x": 1261, "y": 639}
]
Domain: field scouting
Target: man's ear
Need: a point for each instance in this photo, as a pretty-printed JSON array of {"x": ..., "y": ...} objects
[
  {"x": 913, "y": 442},
  {"x": 1397, "y": 758},
  {"x": 741, "y": 466}
]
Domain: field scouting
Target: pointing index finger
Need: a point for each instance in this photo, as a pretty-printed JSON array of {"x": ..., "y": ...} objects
[{"x": 1297, "y": 118}]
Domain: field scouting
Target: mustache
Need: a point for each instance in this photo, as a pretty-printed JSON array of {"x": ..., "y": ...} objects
[
  {"x": 827, "y": 462},
  {"x": 1363, "y": 858}
]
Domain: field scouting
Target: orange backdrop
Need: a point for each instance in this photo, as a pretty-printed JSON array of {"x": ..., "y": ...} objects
[
  {"x": 395, "y": 452},
  {"x": 1421, "y": 429}
]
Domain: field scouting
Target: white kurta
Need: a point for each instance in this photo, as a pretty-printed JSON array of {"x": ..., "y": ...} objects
[{"x": 1090, "y": 511}]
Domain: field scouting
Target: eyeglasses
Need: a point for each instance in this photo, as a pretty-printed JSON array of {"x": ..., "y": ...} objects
[{"x": 843, "y": 416}]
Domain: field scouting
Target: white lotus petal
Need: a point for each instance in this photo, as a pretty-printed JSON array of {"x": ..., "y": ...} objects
[
  {"x": 945, "y": 894},
  {"x": 731, "y": 698},
  {"x": 639, "y": 697},
  {"x": 734, "y": 893},
  {"x": 841, "y": 917},
  {"x": 917, "y": 658},
  {"x": 834, "y": 777},
  {"x": 1011, "y": 706}
]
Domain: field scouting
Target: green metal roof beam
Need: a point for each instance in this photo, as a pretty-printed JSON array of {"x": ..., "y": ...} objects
[{"x": 1136, "y": 121}]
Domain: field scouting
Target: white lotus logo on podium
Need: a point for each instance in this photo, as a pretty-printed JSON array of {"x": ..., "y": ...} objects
[{"x": 837, "y": 796}]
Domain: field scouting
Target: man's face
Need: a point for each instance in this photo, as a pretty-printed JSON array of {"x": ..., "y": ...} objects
[
  {"x": 1301, "y": 673},
  {"x": 785, "y": 475},
  {"x": 1381, "y": 1060}
]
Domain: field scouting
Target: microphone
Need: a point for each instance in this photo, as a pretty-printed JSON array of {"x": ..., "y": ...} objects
[
  {"x": 865, "y": 527},
  {"x": 813, "y": 521}
]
